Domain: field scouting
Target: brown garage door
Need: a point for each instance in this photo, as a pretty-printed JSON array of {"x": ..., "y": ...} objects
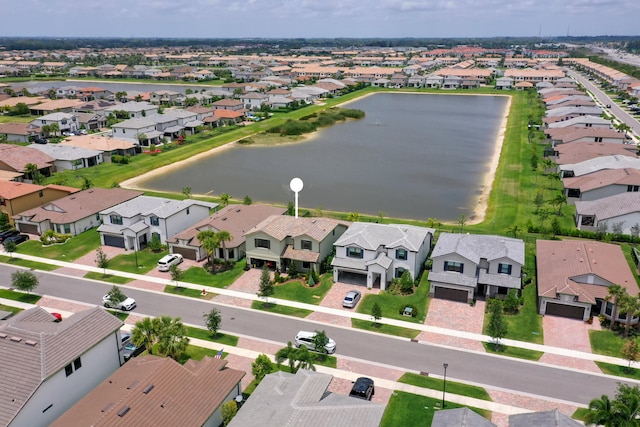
[
  {"x": 451, "y": 294},
  {"x": 27, "y": 228},
  {"x": 185, "y": 252},
  {"x": 562, "y": 310}
]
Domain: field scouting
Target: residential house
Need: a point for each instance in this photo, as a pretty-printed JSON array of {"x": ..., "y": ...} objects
[
  {"x": 224, "y": 117},
  {"x": 140, "y": 131},
  {"x": 106, "y": 145},
  {"x": 573, "y": 278},
  {"x": 133, "y": 223},
  {"x": 55, "y": 106},
  {"x": 582, "y": 121},
  {"x": 91, "y": 93},
  {"x": 91, "y": 121},
  {"x": 70, "y": 157},
  {"x": 228, "y": 104},
  {"x": 468, "y": 265},
  {"x": 253, "y": 100},
  {"x": 20, "y": 196},
  {"x": 578, "y": 152},
  {"x": 460, "y": 417},
  {"x": 504, "y": 83},
  {"x": 48, "y": 366},
  {"x": 378, "y": 253},
  {"x": 73, "y": 214},
  {"x": 136, "y": 110},
  {"x": 303, "y": 399},
  {"x": 15, "y": 158},
  {"x": 152, "y": 390},
  {"x": 617, "y": 214},
  {"x": 280, "y": 240},
  {"x": 165, "y": 97},
  {"x": 601, "y": 184},
  {"x": 234, "y": 219},
  {"x": 591, "y": 134},
  {"x": 19, "y": 132},
  {"x": 586, "y": 167},
  {"x": 434, "y": 81},
  {"x": 465, "y": 417},
  {"x": 67, "y": 122}
]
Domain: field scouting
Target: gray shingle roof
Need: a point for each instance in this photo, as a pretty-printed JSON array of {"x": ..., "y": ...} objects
[
  {"x": 66, "y": 152},
  {"x": 371, "y": 236},
  {"x": 475, "y": 246},
  {"x": 600, "y": 163},
  {"x": 610, "y": 207},
  {"x": 553, "y": 418},
  {"x": 461, "y": 417},
  {"x": 158, "y": 206}
]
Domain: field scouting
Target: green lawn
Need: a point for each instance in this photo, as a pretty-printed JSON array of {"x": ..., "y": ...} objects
[
  {"x": 517, "y": 352},
  {"x": 391, "y": 305},
  {"x": 139, "y": 262},
  {"x": 297, "y": 291},
  {"x": 619, "y": 371},
  {"x": 407, "y": 409},
  {"x": 16, "y": 119},
  {"x": 205, "y": 334},
  {"x": 280, "y": 309},
  {"x": 187, "y": 292},
  {"x": 71, "y": 250},
  {"x": 606, "y": 342},
  {"x": 13, "y": 310},
  {"x": 19, "y": 296},
  {"x": 452, "y": 387},
  {"x": 197, "y": 353},
  {"x": 397, "y": 331},
  {"x": 200, "y": 276},
  {"x": 118, "y": 280},
  {"x": 29, "y": 264},
  {"x": 119, "y": 314},
  {"x": 527, "y": 324}
]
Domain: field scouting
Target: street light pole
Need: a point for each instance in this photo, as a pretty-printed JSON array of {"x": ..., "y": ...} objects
[{"x": 444, "y": 384}]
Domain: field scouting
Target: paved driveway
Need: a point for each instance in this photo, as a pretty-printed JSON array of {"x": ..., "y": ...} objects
[
  {"x": 571, "y": 334},
  {"x": 458, "y": 316}
]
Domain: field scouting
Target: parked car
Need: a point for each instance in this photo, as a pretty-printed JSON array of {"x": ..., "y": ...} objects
[
  {"x": 131, "y": 350},
  {"x": 351, "y": 299},
  {"x": 68, "y": 134},
  {"x": 40, "y": 141},
  {"x": 608, "y": 105},
  {"x": 305, "y": 338},
  {"x": 126, "y": 305},
  {"x": 82, "y": 132},
  {"x": 8, "y": 233},
  {"x": 58, "y": 317},
  {"x": 124, "y": 337},
  {"x": 167, "y": 261},
  {"x": 363, "y": 388},
  {"x": 17, "y": 239}
]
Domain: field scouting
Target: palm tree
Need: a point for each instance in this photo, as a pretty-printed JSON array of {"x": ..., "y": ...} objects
[
  {"x": 630, "y": 306},
  {"x": 601, "y": 412},
  {"x": 145, "y": 333},
  {"x": 172, "y": 337},
  {"x": 206, "y": 238},
  {"x": 223, "y": 237},
  {"x": 224, "y": 199},
  {"x": 514, "y": 230},
  {"x": 559, "y": 200},
  {"x": 304, "y": 358},
  {"x": 31, "y": 171},
  {"x": 615, "y": 293},
  {"x": 287, "y": 353},
  {"x": 54, "y": 128}
]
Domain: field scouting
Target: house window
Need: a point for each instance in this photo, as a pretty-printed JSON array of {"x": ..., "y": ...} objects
[
  {"x": 306, "y": 265},
  {"x": 399, "y": 272},
  {"x": 68, "y": 370},
  {"x": 402, "y": 254},
  {"x": 608, "y": 310},
  {"x": 263, "y": 243},
  {"x": 97, "y": 217},
  {"x": 306, "y": 244},
  {"x": 220, "y": 253},
  {"x": 355, "y": 252},
  {"x": 2, "y": 202},
  {"x": 187, "y": 211},
  {"x": 458, "y": 267},
  {"x": 154, "y": 220},
  {"x": 116, "y": 219},
  {"x": 633, "y": 188},
  {"x": 231, "y": 253},
  {"x": 77, "y": 364},
  {"x": 504, "y": 268},
  {"x": 40, "y": 193},
  {"x": 67, "y": 228}
]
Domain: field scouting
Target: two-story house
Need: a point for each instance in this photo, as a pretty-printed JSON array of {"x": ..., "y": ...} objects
[
  {"x": 280, "y": 240},
  {"x": 141, "y": 131},
  {"x": 48, "y": 366},
  {"x": 20, "y": 196},
  {"x": 468, "y": 265},
  {"x": 136, "y": 110},
  {"x": 134, "y": 223},
  {"x": 67, "y": 122},
  {"x": 381, "y": 252}
]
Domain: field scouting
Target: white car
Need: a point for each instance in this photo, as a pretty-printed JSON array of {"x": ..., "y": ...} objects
[
  {"x": 305, "y": 338},
  {"x": 167, "y": 261},
  {"x": 126, "y": 305}
]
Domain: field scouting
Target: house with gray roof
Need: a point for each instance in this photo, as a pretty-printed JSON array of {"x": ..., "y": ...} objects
[
  {"x": 465, "y": 417},
  {"x": 377, "y": 253},
  {"x": 582, "y": 121},
  {"x": 460, "y": 417},
  {"x": 284, "y": 399},
  {"x": 47, "y": 366},
  {"x": 620, "y": 210},
  {"x": 601, "y": 184},
  {"x": 469, "y": 265},
  {"x": 68, "y": 157},
  {"x": 67, "y": 122},
  {"x": 141, "y": 131},
  {"x": 134, "y": 223},
  {"x": 135, "y": 109},
  {"x": 281, "y": 240},
  {"x": 596, "y": 164}
]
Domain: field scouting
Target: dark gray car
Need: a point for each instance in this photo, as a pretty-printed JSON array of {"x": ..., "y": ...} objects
[{"x": 130, "y": 350}]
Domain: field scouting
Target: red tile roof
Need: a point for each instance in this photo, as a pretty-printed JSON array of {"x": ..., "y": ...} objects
[{"x": 16, "y": 157}]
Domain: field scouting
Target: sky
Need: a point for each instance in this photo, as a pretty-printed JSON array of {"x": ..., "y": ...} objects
[{"x": 318, "y": 18}]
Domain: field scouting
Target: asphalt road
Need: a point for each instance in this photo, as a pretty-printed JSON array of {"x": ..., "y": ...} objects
[{"x": 508, "y": 373}]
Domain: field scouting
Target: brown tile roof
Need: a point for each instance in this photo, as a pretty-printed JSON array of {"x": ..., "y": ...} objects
[
  {"x": 569, "y": 134},
  {"x": 12, "y": 189},
  {"x": 603, "y": 178},
  {"x": 101, "y": 143},
  {"x": 79, "y": 205},
  {"x": 29, "y": 100},
  {"x": 576, "y": 152},
  {"x": 227, "y": 102},
  {"x": 16, "y": 157},
  {"x": 16, "y": 129},
  {"x": 58, "y": 104},
  {"x": 236, "y": 219},
  {"x": 158, "y": 392},
  {"x": 227, "y": 114},
  {"x": 27, "y": 365},
  {"x": 279, "y": 227},
  {"x": 565, "y": 266}
]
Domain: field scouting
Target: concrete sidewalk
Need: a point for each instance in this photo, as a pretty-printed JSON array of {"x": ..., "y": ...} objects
[{"x": 331, "y": 311}]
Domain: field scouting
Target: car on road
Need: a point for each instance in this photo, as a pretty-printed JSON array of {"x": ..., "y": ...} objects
[
  {"x": 131, "y": 350},
  {"x": 351, "y": 299},
  {"x": 608, "y": 105},
  {"x": 17, "y": 239},
  {"x": 167, "y": 261},
  {"x": 8, "y": 233},
  {"x": 127, "y": 305},
  {"x": 363, "y": 388},
  {"x": 305, "y": 338}
]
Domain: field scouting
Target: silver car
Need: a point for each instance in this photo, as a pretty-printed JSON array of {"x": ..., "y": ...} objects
[{"x": 351, "y": 299}]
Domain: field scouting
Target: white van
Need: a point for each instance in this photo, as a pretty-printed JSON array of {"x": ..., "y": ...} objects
[
  {"x": 167, "y": 261},
  {"x": 305, "y": 338}
]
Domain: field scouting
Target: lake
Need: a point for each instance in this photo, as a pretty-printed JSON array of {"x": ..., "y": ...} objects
[{"x": 413, "y": 156}]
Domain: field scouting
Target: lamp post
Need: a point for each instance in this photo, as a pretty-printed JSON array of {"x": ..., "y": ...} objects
[{"x": 444, "y": 384}]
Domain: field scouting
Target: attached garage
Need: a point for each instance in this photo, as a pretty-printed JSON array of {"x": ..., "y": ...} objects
[
  {"x": 352, "y": 278},
  {"x": 27, "y": 228},
  {"x": 187, "y": 253},
  {"x": 115, "y": 241},
  {"x": 563, "y": 310},
  {"x": 458, "y": 295}
]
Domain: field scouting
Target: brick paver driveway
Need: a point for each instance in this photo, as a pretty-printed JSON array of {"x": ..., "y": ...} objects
[{"x": 457, "y": 316}]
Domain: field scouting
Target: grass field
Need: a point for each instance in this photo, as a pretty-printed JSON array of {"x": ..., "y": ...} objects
[
  {"x": 280, "y": 309},
  {"x": 200, "y": 276},
  {"x": 71, "y": 250},
  {"x": 517, "y": 352},
  {"x": 295, "y": 290},
  {"x": 527, "y": 324},
  {"x": 118, "y": 280},
  {"x": 19, "y": 296},
  {"x": 27, "y": 263},
  {"x": 452, "y": 386},
  {"x": 606, "y": 342},
  {"x": 396, "y": 331}
]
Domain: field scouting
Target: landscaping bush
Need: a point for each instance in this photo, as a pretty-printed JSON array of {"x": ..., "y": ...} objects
[
  {"x": 414, "y": 311},
  {"x": 50, "y": 237},
  {"x": 123, "y": 160}
]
